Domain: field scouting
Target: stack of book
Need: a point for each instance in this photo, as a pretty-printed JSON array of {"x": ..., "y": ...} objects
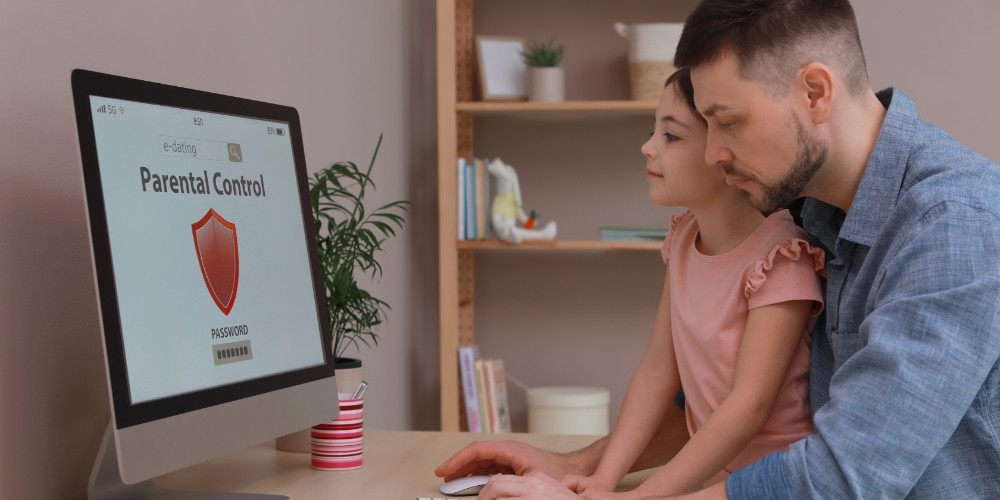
[
  {"x": 474, "y": 199},
  {"x": 484, "y": 388},
  {"x": 616, "y": 233}
]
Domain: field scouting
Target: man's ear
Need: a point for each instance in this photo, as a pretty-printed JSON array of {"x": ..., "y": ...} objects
[{"x": 816, "y": 81}]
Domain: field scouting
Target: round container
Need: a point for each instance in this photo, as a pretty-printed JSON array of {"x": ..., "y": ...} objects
[
  {"x": 651, "y": 49},
  {"x": 646, "y": 79},
  {"x": 568, "y": 410}
]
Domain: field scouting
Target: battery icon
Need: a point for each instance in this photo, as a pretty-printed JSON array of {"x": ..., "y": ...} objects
[{"x": 281, "y": 131}]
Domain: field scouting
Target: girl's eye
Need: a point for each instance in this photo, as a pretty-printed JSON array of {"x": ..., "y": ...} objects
[{"x": 671, "y": 137}]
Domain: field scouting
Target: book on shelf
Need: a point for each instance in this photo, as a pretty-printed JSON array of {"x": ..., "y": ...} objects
[
  {"x": 496, "y": 387},
  {"x": 484, "y": 390},
  {"x": 484, "y": 396},
  {"x": 467, "y": 356},
  {"x": 460, "y": 192},
  {"x": 471, "y": 230},
  {"x": 619, "y": 233},
  {"x": 482, "y": 196},
  {"x": 475, "y": 198}
]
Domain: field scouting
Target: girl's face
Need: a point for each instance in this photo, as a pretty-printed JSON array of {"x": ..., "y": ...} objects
[{"x": 675, "y": 156}]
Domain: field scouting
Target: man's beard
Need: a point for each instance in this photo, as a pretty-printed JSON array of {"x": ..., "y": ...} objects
[{"x": 810, "y": 158}]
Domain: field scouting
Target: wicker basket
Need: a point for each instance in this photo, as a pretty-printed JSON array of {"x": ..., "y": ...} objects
[{"x": 647, "y": 78}]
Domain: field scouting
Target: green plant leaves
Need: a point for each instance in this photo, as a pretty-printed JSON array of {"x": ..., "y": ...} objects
[
  {"x": 348, "y": 239},
  {"x": 543, "y": 54}
]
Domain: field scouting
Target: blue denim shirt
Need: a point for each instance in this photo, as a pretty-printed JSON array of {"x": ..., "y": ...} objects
[{"x": 904, "y": 378}]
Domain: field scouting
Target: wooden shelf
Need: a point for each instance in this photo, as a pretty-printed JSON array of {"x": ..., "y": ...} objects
[
  {"x": 460, "y": 114},
  {"x": 560, "y": 245},
  {"x": 515, "y": 108}
]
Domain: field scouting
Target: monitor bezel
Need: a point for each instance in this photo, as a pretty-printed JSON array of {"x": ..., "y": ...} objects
[{"x": 86, "y": 84}]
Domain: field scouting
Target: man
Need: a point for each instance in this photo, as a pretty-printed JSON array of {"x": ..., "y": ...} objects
[{"x": 905, "y": 379}]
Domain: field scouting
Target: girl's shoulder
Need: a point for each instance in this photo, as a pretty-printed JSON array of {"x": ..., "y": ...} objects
[
  {"x": 787, "y": 242},
  {"x": 682, "y": 219},
  {"x": 781, "y": 237},
  {"x": 677, "y": 223},
  {"x": 779, "y": 226}
]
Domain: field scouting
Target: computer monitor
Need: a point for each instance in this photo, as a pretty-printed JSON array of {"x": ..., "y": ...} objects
[{"x": 211, "y": 300}]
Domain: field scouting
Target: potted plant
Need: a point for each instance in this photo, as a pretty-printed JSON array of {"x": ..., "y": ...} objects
[
  {"x": 546, "y": 78},
  {"x": 348, "y": 239}
]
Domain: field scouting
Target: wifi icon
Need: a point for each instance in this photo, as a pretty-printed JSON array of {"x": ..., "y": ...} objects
[{"x": 103, "y": 108}]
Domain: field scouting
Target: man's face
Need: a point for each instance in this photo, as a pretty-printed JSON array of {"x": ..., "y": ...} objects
[{"x": 755, "y": 138}]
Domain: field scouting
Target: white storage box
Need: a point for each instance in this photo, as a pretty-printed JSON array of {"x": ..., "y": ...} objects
[{"x": 568, "y": 410}]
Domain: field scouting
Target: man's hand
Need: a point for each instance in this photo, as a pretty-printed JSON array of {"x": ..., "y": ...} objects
[
  {"x": 532, "y": 486},
  {"x": 505, "y": 457},
  {"x": 586, "y": 485}
]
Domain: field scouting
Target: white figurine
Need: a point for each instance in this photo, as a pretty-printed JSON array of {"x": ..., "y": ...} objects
[{"x": 508, "y": 216}]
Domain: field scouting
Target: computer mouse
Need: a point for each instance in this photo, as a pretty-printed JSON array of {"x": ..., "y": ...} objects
[{"x": 468, "y": 485}]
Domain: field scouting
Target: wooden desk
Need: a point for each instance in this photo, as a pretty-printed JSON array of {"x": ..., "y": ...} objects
[{"x": 399, "y": 465}]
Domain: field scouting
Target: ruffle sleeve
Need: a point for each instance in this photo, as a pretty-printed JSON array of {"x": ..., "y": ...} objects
[
  {"x": 794, "y": 250},
  {"x": 674, "y": 221}
]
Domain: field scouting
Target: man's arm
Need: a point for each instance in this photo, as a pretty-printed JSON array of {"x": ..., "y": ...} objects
[
  {"x": 513, "y": 457},
  {"x": 926, "y": 347}
]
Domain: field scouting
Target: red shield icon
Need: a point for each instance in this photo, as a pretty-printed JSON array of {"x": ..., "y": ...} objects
[{"x": 219, "y": 258}]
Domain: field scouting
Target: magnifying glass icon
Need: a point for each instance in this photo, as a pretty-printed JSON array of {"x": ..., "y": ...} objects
[{"x": 235, "y": 152}]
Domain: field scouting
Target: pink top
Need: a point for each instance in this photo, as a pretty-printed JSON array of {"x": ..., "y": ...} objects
[{"x": 710, "y": 298}]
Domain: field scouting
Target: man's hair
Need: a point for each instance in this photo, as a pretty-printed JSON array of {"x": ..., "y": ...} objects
[
  {"x": 684, "y": 89},
  {"x": 773, "y": 39}
]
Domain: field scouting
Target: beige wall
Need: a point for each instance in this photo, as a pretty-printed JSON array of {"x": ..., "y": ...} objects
[
  {"x": 943, "y": 56},
  {"x": 354, "y": 69}
]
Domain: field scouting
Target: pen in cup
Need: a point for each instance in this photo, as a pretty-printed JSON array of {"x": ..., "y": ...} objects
[{"x": 360, "y": 390}]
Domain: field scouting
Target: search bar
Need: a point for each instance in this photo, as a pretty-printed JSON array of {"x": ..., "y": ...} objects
[{"x": 199, "y": 149}]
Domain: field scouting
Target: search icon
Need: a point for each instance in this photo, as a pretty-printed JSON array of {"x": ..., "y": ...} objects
[{"x": 235, "y": 152}]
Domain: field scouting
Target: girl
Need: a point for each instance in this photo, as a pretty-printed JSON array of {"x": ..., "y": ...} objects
[{"x": 740, "y": 297}]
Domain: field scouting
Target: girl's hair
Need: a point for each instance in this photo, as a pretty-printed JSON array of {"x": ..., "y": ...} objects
[{"x": 685, "y": 89}]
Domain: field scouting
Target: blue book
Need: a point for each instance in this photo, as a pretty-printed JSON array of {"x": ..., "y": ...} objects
[
  {"x": 460, "y": 194},
  {"x": 470, "y": 202}
]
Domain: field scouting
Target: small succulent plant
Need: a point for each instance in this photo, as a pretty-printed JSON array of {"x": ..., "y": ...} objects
[{"x": 543, "y": 54}]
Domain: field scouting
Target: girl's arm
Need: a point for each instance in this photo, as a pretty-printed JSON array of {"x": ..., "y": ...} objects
[
  {"x": 769, "y": 342},
  {"x": 651, "y": 390}
]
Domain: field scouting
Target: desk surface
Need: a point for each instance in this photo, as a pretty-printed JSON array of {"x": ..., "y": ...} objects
[{"x": 398, "y": 465}]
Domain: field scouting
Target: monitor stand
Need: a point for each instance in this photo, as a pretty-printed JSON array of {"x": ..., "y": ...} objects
[{"x": 106, "y": 483}]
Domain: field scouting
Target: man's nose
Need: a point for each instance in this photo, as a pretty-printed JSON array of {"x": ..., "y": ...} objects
[{"x": 716, "y": 152}]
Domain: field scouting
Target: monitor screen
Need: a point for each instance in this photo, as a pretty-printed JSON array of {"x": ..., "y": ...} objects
[{"x": 205, "y": 263}]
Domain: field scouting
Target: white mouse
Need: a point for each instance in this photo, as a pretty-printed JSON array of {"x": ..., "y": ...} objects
[{"x": 468, "y": 485}]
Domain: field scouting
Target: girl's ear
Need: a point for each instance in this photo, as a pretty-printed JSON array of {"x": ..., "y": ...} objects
[{"x": 815, "y": 81}]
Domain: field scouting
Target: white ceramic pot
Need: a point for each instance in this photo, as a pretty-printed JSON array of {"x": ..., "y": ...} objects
[
  {"x": 547, "y": 84},
  {"x": 651, "y": 41}
]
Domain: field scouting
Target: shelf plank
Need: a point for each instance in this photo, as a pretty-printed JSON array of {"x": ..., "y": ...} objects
[
  {"x": 638, "y": 108},
  {"x": 560, "y": 245}
]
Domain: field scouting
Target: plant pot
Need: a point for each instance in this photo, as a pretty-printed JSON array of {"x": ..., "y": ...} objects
[
  {"x": 547, "y": 84},
  {"x": 349, "y": 375}
]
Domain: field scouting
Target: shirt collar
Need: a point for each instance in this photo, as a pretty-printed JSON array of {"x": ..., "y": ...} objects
[
  {"x": 882, "y": 181},
  {"x": 880, "y": 184}
]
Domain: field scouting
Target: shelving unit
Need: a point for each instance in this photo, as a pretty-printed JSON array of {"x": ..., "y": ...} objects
[{"x": 457, "y": 114}]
